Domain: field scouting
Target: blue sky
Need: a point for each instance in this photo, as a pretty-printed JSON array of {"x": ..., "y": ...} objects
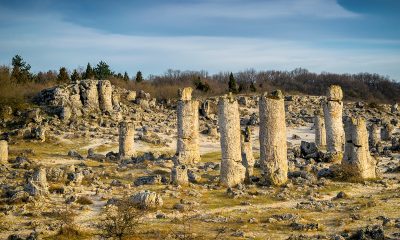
[{"x": 214, "y": 35}]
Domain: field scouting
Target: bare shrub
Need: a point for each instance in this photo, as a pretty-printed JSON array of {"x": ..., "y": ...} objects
[{"x": 121, "y": 220}]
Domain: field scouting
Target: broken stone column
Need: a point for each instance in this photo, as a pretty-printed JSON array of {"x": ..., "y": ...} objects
[
  {"x": 386, "y": 132},
  {"x": 89, "y": 95},
  {"x": 179, "y": 175},
  {"x": 3, "y": 151},
  {"x": 247, "y": 153},
  {"x": 333, "y": 111},
  {"x": 232, "y": 170},
  {"x": 273, "y": 146},
  {"x": 357, "y": 162},
  {"x": 320, "y": 132},
  {"x": 126, "y": 140},
  {"x": 105, "y": 95},
  {"x": 188, "y": 128},
  {"x": 37, "y": 183},
  {"x": 374, "y": 135}
]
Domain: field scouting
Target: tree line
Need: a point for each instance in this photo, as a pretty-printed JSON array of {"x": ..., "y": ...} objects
[{"x": 370, "y": 87}]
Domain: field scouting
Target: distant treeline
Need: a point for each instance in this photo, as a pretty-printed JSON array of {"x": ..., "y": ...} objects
[{"x": 18, "y": 83}]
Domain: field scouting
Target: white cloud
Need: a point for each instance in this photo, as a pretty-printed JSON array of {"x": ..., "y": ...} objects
[
  {"x": 50, "y": 43},
  {"x": 244, "y": 9}
]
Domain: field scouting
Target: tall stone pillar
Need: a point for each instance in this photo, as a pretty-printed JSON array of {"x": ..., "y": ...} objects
[
  {"x": 105, "y": 95},
  {"x": 333, "y": 111},
  {"x": 126, "y": 140},
  {"x": 232, "y": 169},
  {"x": 188, "y": 128},
  {"x": 319, "y": 127},
  {"x": 89, "y": 94},
  {"x": 273, "y": 146},
  {"x": 3, "y": 151},
  {"x": 357, "y": 162},
  {"x": 374, "y": 135},
  {"x": 247, "y": 153}
]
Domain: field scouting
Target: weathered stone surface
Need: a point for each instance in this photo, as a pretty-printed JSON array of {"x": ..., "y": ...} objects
[
  {"x": 273, "y": 146},
  {"x": 208, "y": 108},
  {"x": 357, "y": 161},
  {"x": 37, "y": 183},
  {"x": 320, "y": 131},
  {"x": 89, "y": 94},
  {"x": 232, "y": 169},
  {"x": 247, "y": 153},
  {"x": 188, "y": 130},
  {"x": 374, "y": 135},
  {"x": 394, "y": 108},
  {"x": 146, "y": 199},
  {"x": 105, "y": 95},
  {"x": 131, "y": 96},
  {"x": 179, "y": 175},
  {"x": 3, "y": 151},
  {"x": 185, "y": 94},
  {"x": 126, "y": 140},
  {"x": 386, "y": 132},
  {"x": 333, "y": 111}
]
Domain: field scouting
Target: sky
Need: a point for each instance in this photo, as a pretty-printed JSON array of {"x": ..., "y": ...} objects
[{"x": 341, "y": 36}]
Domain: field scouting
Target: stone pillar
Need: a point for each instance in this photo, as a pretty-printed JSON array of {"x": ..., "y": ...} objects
[
  {"x": 105, "y": 95},
  {"x": 386, "y": 132},
  {"x": 89, "y": 95},
  {"x": 3, "y": 151},
  {"x": 247, "y": 153},
  {"x": 374, "y": 135},
  {"x": 188, "y": 128},
  {"x": 179, "y": 175},
  {"x": 333, "y": 111},
  {"x": 273, "y": 146},
  {"x": 37, "y": 183},
  {"x": 357, "y": 162},
  {"x": 232, "y": 170},
  {"x": 126, "y": 140},
  {"x": 320, "y": 132}
]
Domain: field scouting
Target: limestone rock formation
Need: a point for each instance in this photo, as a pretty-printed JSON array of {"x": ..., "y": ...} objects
[
  {"x": 386, "y": 131},
  {"x": 179, "y": 175},
  {"x": 105, "y": 96},
  {"x": 82, "y": 97},
  {"x": 146, "y": 199},
  {"x": 188, "y": 129},
  {"x": 320, "y": 131},
  {"x": 37, "y": 183},
  {"x": 374, "y": 135},
  {"x": 126, "y": 140},
  {"x": 357, "y": 162},
  {"x": 333, "y": 111},
  {"x": 232, "y": 170},
  {"x": 3, "y": 151},
  {"x": 273, "y": 146},
  {"x": 247, "y": 153}
]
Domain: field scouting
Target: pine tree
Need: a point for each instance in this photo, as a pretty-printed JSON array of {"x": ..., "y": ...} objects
[
  {"x": 20, "y": 72},
  {"x": 75, "y": 76},
  {"x": 139, "y": 77},
  {"x": 233, "y": 86},
  {"x": 253, "y": 87},
  {"x": 89, "y": 73},
  {"x": 126, "y": 77},
  {"x": 63, "y": 76},
  {"x": 103, "y": 71}
]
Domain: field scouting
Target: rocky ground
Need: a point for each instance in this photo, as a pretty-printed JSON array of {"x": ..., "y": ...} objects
[{"x": 77, "y": 154}]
